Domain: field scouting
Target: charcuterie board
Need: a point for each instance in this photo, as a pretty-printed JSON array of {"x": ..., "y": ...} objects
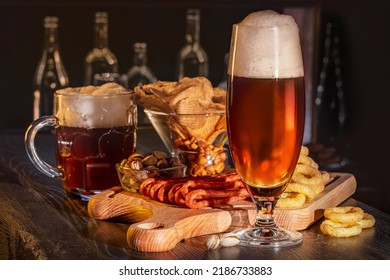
[{"x": 156, "y": 227}]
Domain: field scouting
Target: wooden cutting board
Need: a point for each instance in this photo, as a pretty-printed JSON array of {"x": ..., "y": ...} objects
[{"x": 156, "y": 227}]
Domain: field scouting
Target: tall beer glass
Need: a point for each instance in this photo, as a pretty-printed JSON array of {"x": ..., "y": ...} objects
[{"x": 265, "y": 116}]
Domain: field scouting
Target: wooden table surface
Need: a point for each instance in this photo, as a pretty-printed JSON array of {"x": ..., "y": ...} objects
[{"x": 38, "y": 221}]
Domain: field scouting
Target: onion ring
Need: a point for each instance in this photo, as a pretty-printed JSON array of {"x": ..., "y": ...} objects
[
  {"x": 291, "y": 200},
  {"x": 301, "y": 188},
  {"x": 318, "y": 188},
  {"x": 306, "y": 160},
  {"x": 334, "y": 229},
  {"x": 307, "y": 179},
  {"x": 308, "y": 175},
  {"x": 325, "y": 177},
  {"x": 304, "y": 151},
  {"x": 348, "y": 215},
  {"x": 368, "y": 221}
]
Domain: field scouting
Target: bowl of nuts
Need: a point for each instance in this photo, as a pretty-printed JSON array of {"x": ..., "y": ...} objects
[
  {"x": 205, "y": 160},
  {"x": 139, "y": 166}
]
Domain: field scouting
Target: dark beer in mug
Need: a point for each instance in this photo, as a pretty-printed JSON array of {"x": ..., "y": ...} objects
[
  {"x": 95, "y": 128},
  {"x": 87, "y": 156}
]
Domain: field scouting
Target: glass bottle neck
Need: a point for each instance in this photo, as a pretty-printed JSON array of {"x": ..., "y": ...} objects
[
  {"x": 101, "y": 34},
  {"x": 50, "y": 39},
  {"x": 193, "y": 28},
  {"x": 140, "y": 58}
]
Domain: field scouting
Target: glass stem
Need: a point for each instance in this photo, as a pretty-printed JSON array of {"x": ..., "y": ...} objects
[{"x": 265, "y": 210}]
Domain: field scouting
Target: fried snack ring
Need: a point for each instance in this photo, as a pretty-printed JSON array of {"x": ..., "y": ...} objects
[
  {"x": 291, "y": 200},
  {"x": 307, "y": 175},
  {"x": 325, "y": 177},
  {"x": 348, "y": 215},
  {"x": 304, "y": 151},
  {"x": 301, "y": 188},
  {"x": 306, "y": 160},
  {"x": 368, "y": 221},
  {"x": 335, "y": 229}
]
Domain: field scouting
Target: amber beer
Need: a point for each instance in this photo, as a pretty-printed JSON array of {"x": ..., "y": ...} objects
[
  {"x": 266, "y": 101},
  {"x": 265, "y": 116},
  {"x": 266, "y": 123}
]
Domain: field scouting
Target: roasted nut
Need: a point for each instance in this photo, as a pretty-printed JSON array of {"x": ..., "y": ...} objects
[
  {"x": 210, "y": 169},
  {"x": 136, "y": 164},
  {"x": 213, "y": 242},
  {"x": 229, "y": 239},
  {"x": 153, "y": 161},
  {"x": 162, "y": 163},
  {"x": 135, "y": 156},
  {"x": 159, "y": 154},
  {"x": 206, "y": 160},
  {"x": 202, "y": 160},
  {"x": 149, "y": 160},
  {"x": 138, "y": 167},
  {"x": 219, "y": 167},
  {"x": 151, "y": 168}
]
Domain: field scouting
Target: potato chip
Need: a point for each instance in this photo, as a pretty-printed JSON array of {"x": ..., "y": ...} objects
[{"x": 187, "y": 100}]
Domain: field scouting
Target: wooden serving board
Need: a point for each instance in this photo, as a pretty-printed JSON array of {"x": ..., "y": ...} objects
[{"x": 156, "y": 227}]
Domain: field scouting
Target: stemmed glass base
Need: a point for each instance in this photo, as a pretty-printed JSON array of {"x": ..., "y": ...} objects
[
  {"x": 265, "y": 233},
  {"x": 268, "y": 237}
]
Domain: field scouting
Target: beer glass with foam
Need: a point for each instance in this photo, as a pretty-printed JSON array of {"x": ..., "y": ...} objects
[
  {"x": 265, "y": 116},
  {"x": 95, "y": 128}
]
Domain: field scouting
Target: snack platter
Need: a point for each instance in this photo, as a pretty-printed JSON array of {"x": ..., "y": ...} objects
[{"x": 156, "y": 226}]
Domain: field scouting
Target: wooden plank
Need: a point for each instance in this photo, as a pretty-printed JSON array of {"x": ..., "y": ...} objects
[
  {"x": 342, "y": 187},
  {"x": 164, "y": 226},
  {"x": 156, "y": 227}
]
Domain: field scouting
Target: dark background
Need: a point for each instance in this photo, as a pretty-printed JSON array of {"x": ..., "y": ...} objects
[{"x": 364, "y": 43}]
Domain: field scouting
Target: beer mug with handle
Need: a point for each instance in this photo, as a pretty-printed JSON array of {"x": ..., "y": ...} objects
[{"x": 95, "y": 128}]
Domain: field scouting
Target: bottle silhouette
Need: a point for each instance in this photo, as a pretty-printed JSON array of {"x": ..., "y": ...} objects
[
  {"x": 330, "y": 99},
  {"x": 223, "y": 83},
  {"x": 50, "y": 74},
  {"x": 140, "y": 74},
  {"x": 100, "y": 59},
  {"x": 192, "y": 60}
]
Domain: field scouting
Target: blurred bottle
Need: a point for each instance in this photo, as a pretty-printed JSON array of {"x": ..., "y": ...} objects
[
  {"x": 331, "y": 144},
  {"x": 50, "y": 74},
  {"x": 103, "y": 78},
  {"x": 330, "y": 99},
  {"x": 140, "y": 74},
  {"x": 192, "y": 60},
  {"x": 223, "y": 83},
  {"x": 100, "y": 59}
]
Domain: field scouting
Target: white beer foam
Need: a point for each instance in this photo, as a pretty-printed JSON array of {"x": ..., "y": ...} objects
[
  {"x": 94, "y": 106},
  {"x": 266, "y": 45}
]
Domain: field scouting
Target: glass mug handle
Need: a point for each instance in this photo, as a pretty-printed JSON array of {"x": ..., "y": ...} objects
[{"x": 29, "y": 140}]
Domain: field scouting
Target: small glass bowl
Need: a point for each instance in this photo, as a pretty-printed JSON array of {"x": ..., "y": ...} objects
[
  {"x": 204, "y": 163},
  {"x": 131, "y": 179},
  {"x": 173, "y": 128}
]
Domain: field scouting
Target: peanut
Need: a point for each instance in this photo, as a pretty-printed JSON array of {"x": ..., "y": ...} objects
[{"x": 202, "y": 159}]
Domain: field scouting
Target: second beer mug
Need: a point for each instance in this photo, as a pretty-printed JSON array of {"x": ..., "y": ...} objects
[{"x": 95, "y": 128}]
